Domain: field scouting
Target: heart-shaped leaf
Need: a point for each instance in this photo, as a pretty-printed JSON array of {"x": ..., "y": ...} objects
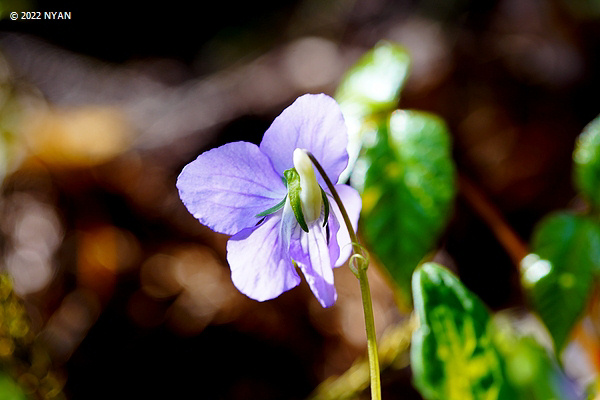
[
  {"x": 453, "y": 356},
  {"x": 406, "y": 178}
]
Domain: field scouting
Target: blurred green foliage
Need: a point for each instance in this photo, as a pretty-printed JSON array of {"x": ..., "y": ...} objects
[
  {"x": 26, "y": 369},
  {"x": 8, "y": 6},
  {"x": 533, "y": 374},
  {"x": 586, "y": 158},
  {"x": 374, "y": 82},
  {"x": 370, "y": 88},
  {"x": 583, "y": 9},
  {"x": 558, "y": 276},
  {"x": 9, "y": 390},
  {"x": 10, "y": 120},
  {"x": 404, "y": 169}
]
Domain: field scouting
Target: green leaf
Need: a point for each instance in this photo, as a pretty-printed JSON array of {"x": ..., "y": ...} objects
[
  {"x": 370, "y": 87},
  {"x": 586, "y": 158},
  {"x": 376, "y": 79},
  {"x": 453, "y": 356},
  {"x": 558, "y": 275},
  {"x": 406, "y": 179}
]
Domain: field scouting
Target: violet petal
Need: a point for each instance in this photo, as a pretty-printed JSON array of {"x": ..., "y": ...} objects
[
  {"x": 225, "y": 188},
  {"x": 312, "y": 122},
  {"x": 312, "y": 254},
  {"x": 260, "y": 264},
  {"x": 353, "y": 204}
]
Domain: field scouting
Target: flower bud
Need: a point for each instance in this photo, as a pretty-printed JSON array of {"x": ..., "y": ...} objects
[{"x": 310, "y": 194}]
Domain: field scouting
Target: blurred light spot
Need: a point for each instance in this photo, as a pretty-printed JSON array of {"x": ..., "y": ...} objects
[
  {"x": 534, "y": 268},
  {"x": 74, "y": 137},
  {"x": 191, "y": 314},
  {"x": 540, "y": 59},
  {"x": 51, "y": 386},
  {"x": 493, "y": 148},
  {"x": 359, "y": 174},
  {"x": 399, "y": 125},
  {"x": 370, "y": 138},
  {"x": 207, "y": 285},
  {"x": 205, "y": 294},
  {"x": 69, "y": 324},
  {"x": 158, "y": 276},
  {"x": 567, "y": 280},
  {"x": 7, "y": 346},
  {"x": 431, "y": 60},
  {"x": 532, "y": 47},
  {"x": 34, "y": 233},
  {"x": 103, "y": 252},
  {"x": 39, "y": 227},
  {"x": 30, "y": 271},
  {"x": 312, "y": 63},
  {"x": 576, "y": 363},
  {"x": 522, "y": 368},
  {"x": 28, "y": 382}
]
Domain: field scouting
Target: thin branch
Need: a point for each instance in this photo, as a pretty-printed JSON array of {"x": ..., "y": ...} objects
[{"x": 508, "y": 238}]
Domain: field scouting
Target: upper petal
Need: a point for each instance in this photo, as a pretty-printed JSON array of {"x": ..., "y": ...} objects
[
  {"x": 353, "y": 204},
  {"x": 261, "y": 267},
  {"x": 312, "y": 122},
  {"x": 224, "y": 188}
]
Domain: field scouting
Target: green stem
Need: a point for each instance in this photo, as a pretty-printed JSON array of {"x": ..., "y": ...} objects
[
  {"x": 371, "y": 338},
  {"x": 361, "y": 273}
]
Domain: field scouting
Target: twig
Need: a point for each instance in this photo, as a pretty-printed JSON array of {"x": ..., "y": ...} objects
[{"x": 508, "y": 238}]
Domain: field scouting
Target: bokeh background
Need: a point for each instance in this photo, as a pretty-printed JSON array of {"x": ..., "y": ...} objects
[{"x": 128, "y": 296}]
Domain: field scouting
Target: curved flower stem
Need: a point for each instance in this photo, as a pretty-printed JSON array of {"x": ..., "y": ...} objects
[{"x": 360, "y": 270}]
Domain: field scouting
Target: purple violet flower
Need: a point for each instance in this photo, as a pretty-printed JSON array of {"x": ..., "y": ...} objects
[{"x": 274, "y": 204}]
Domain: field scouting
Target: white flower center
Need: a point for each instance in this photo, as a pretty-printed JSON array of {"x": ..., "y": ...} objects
[{"x": 310, "y": 193}]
